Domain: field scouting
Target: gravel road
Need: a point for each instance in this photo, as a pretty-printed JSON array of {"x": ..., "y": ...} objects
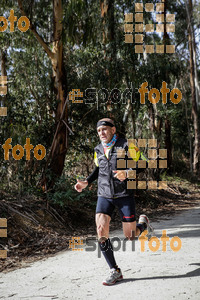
[{"x": 79, "y": 274}]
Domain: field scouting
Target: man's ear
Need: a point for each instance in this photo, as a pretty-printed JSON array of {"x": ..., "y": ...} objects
[{"x": 113, "y": 130}]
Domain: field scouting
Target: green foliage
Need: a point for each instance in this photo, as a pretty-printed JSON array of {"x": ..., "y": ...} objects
[
  {"x": 64, "y": 194},
  {"x": 88, "y": 62}
]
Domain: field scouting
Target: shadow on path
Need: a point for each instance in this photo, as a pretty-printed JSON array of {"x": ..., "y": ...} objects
[{"x": 194, "y": 273}]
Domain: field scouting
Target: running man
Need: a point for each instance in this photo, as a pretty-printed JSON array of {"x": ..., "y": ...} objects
[{"x": 112, "y": 192}]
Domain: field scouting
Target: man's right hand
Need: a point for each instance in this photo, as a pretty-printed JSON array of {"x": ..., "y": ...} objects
[{"x": 80, "y": 185}]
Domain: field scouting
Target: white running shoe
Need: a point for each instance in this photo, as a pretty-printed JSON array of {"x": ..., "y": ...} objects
[
  {"x": 145, "y": 219},
  {"x": 113, "y": 277}
]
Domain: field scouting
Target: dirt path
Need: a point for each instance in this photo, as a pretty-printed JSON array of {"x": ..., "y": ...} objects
[{"x": 79, "y": 274}]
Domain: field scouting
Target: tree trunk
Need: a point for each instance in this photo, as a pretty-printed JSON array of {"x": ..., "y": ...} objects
[
  {"x": 59, "y": 145},
  {"x": 166, "y": 39},
  {"x": 3, "y": 98},
  {"x": 191, "y": 40},
  {"x": 151, "y": 121},
  {"x": 157, "y": 124},
  {"x": 3, "y": 73},
  {"x": 3, "y": 103},
  {"x": 188, "y": 125},
  {"x": 133, "y": 121},
  {"x": 166, "y": 78},
  {"x": 108, "y": 32},
  {"x": 168, "y": 143}
]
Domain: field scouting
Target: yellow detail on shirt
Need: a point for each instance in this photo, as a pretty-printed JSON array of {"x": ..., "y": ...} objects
[
  {"x": 134, "y": 152},
  {"x": 96, "y": 159},
  {"x": 107, "y": 152}
]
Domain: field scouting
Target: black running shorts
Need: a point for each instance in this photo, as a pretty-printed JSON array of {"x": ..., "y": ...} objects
[{"x": 126, "y": 206}]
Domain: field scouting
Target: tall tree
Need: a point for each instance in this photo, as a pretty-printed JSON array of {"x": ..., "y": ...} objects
[
  {"x": 3, "y": 102},
  {"x": 109, "y": 43},
  {"x": 192, "y": 50},
  {"x": 168, "y": 144},
  {"x": 59, "y": 145}
]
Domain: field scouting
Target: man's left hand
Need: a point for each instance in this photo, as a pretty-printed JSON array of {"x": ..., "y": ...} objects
[{"x": 120, "y": 174}]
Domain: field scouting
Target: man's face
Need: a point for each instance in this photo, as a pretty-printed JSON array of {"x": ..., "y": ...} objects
[{"x": 106, "y": 133}]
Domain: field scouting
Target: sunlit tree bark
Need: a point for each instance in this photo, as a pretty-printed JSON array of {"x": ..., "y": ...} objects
[
  {"x": 191, "y": 40},
  {"x": 59, "y": 145}
]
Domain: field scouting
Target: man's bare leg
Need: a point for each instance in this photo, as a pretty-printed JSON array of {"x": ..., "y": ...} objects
[
  {"x": 103, "y": 222},
  {"x": 132, "y": 229}
]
